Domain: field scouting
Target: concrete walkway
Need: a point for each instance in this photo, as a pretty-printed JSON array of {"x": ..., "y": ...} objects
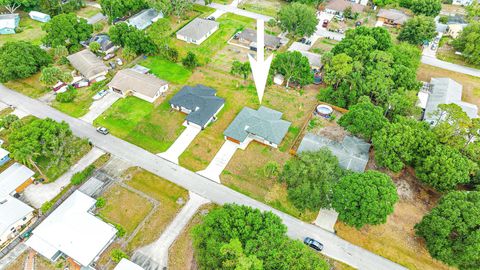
[
  {"x": 36, "y": 195},
  {"x": 158, "y": 250},
  {"x": 450, "y": 66},
  {"x": 100, "y": 106},
  {"x": 326, "y": 219},
  {"x": 180, "y": 144},
  {"x": 220, "y": 161}
]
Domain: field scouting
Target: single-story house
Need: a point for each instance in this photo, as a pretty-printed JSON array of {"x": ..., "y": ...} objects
[
  {"x": 392, "y": 17},
  {"x": 199, "y": 102},
  {"x": 106, "y": 45},
  {"x": 74, "y": 231},
  {"x": 263, "y": 125},
  {"x": 315, "y": 60},
  {"x": 144, "y": 18},
  {"x": 8, "y": 23},
  {"x": 446, "y": 91},
  {"x": 131, "y": 82},
  {"x": 197, "y": 31},
  {"x": 39, "y": 16},
  {"x": 126, "y": 264},
  {"x": 4, "y": 156},
  {"x": 352, "y": 152},
  {"x": 14, "y": 213},
  {"x": 338, "y": 6},
  {"x": 248, "y": 37},
  {"x": 88, "y": 65}
]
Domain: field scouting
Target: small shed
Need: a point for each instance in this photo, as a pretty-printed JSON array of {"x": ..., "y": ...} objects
[
  {"x": 8, "y": 23},
  {"x": 39, "y": 16}
]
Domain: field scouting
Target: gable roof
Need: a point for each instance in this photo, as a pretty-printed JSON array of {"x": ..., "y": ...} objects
[
  {"x": 200, "y": 100},
  {"x": 352, "y": 152},
  {"x": 313, "y": 58},
  {"x": 198, "y": 28},
  {"x": 144, "y": 18},
  {"x": 251, "y": 35},
  {"x": 87, "y": 63},
  {"x": 447, "y": 91},
  {"x": 264, "y": 122},
  {"x": 103, "y": 40},
  {"x": 11, "y": 211},
  {"x": 341, "y": 5},
  {"x": 145, "y": 84},
  {"x": 397, "y": 16},
  {"x": 13, "y": 177},
  {"x": 8, "y": 20},
  {"x": 72, "y": 230}
]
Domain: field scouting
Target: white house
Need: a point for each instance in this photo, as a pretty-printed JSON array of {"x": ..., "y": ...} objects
[
  {"x": 144, "y": 86},
  {"x": 15, "y": 214},
  {"x": 72, "y": 230},
  {"x": 197, "y": 31}
]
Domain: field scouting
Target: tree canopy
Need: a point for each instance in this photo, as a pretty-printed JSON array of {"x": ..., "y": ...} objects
[
  {"x": 469, "y": 43},
  {"x": 293, "y": 66},
  {"x": 66, "y": 30},
  {"x": 235, "y": 233},
  {"x": 173, "y": 7},
  {"x": 132, "y": 39},
  {"x": 451, "y": 230},
  {"x": 118, "y": 8},
  {"x": 13, "y": 5},
  {"x": 310, "y": 179},
  {"x": 21, "y": 59},
  {"x": 298, "y": 19},
  {"x": 429, "y": 8},
  {"x": 364, "y": 198},
  {"x": 363, "y": 118},
  {"x": 418, "y": 30}
]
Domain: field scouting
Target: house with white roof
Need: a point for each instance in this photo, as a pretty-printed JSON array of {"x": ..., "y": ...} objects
[
  {"x": 197, "y": 31},
  {"x": 125, "y": 264},
  {"x": 73, "y": 231},
  {"x": 4, "y": 156},
  {"x": 14, "y": 214},
  {"x": 39, "y": 16},
  {"x": 144, "y": 18},
  {"x": 8, "y": 23}
]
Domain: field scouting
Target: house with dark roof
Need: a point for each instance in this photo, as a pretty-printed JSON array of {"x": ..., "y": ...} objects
[
  {"x": 337, "y": 7},
  {"x": 392, "y": 17},
  {"x": 88, "y": 65},
  {"x": 8, "y": 23},
  {"x": 144, "y": 18},
  {"x": 106, "y": 45},
  {"x": 142, "y": 85},
  {"x": 352, "y": 152},
  {"x": 263, "y": 125},
  {"x": 199, "y": 102},
  {"x": 197, "y": 31},
  {"x": 248, "y": 37}
]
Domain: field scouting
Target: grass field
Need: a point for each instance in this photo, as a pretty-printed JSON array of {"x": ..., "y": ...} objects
[
  {"x": 30, "y": 86},
  {"x": 143, "y": 124},
  {"x": 166, "y": 70},
  {"x": 31, "y": 31},
  {"x": 265, "y": 7},
  {"x": 124, "y": 207},
  {"x": 88, "y": 11},
  {"x": 166, "y": 193}
]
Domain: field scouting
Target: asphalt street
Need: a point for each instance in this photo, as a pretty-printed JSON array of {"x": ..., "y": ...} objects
[{"x": 335, "y": 247}]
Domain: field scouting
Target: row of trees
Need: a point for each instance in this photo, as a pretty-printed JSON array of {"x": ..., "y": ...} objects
[
  {"x": 52, "y": 7},
  {"x": 239, "y": 237},
  {"x": 119, "y": 8},
  {"x": 419, "y": 7}
]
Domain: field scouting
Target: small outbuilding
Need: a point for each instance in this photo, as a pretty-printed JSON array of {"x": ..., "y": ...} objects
[
  {"x": 199, "y": 102},
  {"x": 144, "y": 18},
  {"x": 263, "y": 125},
  {"x": 4, "y": 156},
  {"x": 39, "y": 16},
  {"x": 142, "y": 85},
  {"x": 197, "y": 31},
  {"x": 8, "y": 23},
  {"x": 88, "y": 65}
]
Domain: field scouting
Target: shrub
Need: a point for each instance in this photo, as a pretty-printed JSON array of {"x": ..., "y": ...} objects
[
  {"x": 120, "y": 230},
  {"x": 46, "y": 206},
  {"x": 7, "y": 121},
  {"x": 117, "y": 255},
  {"x": 100, "y": 202},
  {"x": 67, "y": 96},
  {"x": 79, "y": 177}
]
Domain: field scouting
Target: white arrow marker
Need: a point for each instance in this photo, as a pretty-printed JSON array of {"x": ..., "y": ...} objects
[{"x": 260, "y": 67}]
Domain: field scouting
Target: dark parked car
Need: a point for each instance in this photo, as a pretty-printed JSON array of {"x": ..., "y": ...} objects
[
  {"x": 102, "y": 130},
  {"x": 325, "y": 24},
  {"x": 313, "y": 243}
]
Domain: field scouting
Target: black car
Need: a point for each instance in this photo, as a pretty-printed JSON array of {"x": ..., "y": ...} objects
[
  {"x": 313, "y": 243},
  {"x": 102, "y": 130}
]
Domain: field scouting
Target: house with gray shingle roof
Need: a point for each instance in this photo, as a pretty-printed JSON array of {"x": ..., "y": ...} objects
[
  {"x": 199, "y": 102},
  {"x": 197, "y": 31},
  {"x": 263, "y": 125},
  {"x": 144, "y": 18}
]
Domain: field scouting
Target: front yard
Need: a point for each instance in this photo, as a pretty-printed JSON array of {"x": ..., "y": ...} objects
[
  {"x": 265, "y": 7},
  {"x": 30, "y": 86},
  {"x": 31, "y": 31},
  {"x": 446, "y": 52},
  {"x": 166, "y": 70}
]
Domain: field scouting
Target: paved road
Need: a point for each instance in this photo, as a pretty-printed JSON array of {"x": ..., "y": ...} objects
[
  {"x": 450, "y": 66},
  {"x": 335, "y": 247},
  {"x": 239, "y": 11}
]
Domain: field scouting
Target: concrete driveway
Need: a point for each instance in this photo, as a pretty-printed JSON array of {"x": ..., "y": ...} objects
[
  {"x": 322, "y": 31},
  {"x": 96, "y": 18},
  {"x": 326, "y": 219},
  {"x": 180, "y": 144},
  {"x": 36, "y": 195},
  {"x": 99, "y": 106},
  {"x": 220, "y": 161}
]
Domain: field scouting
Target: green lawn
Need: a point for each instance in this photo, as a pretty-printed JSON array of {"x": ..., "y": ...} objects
[
  {"x": 139, "y": 122},
  {"x": 166, "y": 70},
  {"x": 88, "y": 11},
  {"x": 31, "y": 31},
  {"x": 265, "y": 7},
  {"x": 29, "y": 86}
]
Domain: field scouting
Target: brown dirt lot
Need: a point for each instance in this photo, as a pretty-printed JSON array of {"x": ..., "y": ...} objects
[
  {"x": 396, "y": 239},
  {"x": 471, "y": 85}
]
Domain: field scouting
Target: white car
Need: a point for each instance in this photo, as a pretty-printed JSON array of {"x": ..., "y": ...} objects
[
  {"x": 100, "y": 95},
  {"x": 108, "y": 56},
  {"x": 119, "y": 62}
]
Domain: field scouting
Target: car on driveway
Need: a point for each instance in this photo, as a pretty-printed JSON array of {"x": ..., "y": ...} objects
[
  {"x": 325, "y": 23},
  {"x": 100, "y": 94},
  {"x": 103, "y": 130},
  {"x": 313, "y": 243}
]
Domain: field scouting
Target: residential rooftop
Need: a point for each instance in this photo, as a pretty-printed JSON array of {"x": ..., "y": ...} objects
[{"x": 198, "y": 28}]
